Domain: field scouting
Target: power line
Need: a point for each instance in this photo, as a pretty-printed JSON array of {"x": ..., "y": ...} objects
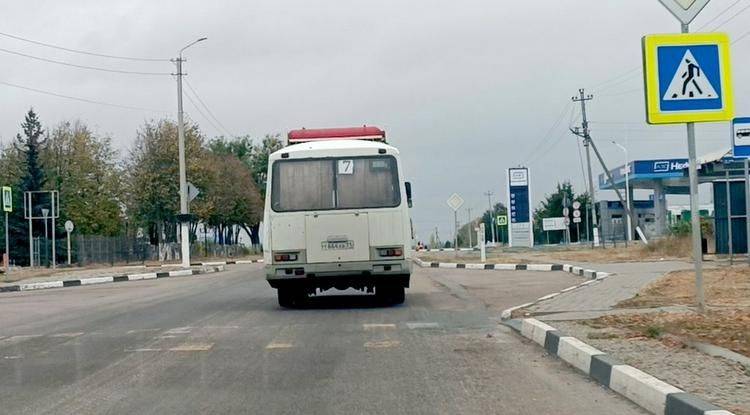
[
  {"x": 83, "y": 52},
  {"x": 744, "y": 9},
  {"x": 90, "y": 101},
  {"x": 717, "y": 16},
  {"x": 93, "y": 68},
  {"x": 560, "y": 117},
  {"x": 197, "y": 108},
  {"x": 207, "y": 109}
]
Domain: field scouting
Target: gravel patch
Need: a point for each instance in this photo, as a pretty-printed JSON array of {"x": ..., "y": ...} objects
[{"x": 717, "y": 380}]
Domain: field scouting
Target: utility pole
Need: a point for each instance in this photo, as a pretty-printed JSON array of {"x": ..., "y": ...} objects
[
  {"x": 492, "y": 215},
  {"x": 184, "y": 221},
  {"x": 470, "y": 228},
  {"x": 582, "y": 98}
]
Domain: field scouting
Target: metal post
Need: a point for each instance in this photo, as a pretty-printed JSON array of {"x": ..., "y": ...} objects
[
  {"x": 455, "y": 232},
  {"x": 480, "y": 241},
  {"x": 27, "y": 202},
  {"x": 54, "y": 259},
  {"x": 729, "y": 217},
  {"x": 747, "y": 206},
  {"x": 185, "y": 241},
  {"x": 7, "y": 245},
  {"x": 469, "y": 228},
  {"x": 695, "y": 219},
  {"x": 68, "y": 247},
  {"x": 492, "y": 214}
]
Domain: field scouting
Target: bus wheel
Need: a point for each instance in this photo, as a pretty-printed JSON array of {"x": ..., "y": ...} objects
[
  {"x": 286, "y": 296},
  {"x": 390, "y": 294},
  {"x": 398, "y": 295}
]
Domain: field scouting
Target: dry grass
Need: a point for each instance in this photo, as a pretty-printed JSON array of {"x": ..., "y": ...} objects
[
  {"x": 727, "y": 328},
  {"x": 726, "y": 324},
  {"x": 724, "y": 287},
  {"x": 672, "y": 248}
]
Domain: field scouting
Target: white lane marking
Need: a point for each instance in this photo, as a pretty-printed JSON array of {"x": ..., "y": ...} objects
[
  {"x": 382, "y": 344},
  {"x": 18, "y": 339},
  {"x": 378, "y": 326},
  {"x": 419, "y": 325},
  {"x": 13, "y": 357},
  {"x": 274, "y": 345},
  {"x": 192, "y": 347},
  {"x": 141, "y": 331},
  {"x": 68, "y": 335},
  {"x": 143, "y": 349},
  {"x": 179, "y": 330}
]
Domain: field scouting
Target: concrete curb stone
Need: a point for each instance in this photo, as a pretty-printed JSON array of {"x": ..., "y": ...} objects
[
  {"x": 207, "y": 269},
  {"x": 648, "y": 392}
]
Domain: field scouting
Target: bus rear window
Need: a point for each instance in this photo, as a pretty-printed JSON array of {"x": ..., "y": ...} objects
[{"x": 335, "y": 183}]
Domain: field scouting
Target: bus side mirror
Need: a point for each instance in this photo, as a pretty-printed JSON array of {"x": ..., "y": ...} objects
[{"x": 407, "y": 185}]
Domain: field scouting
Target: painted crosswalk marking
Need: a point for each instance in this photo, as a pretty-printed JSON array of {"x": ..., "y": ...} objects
[
  {"x": 274, "y": 345},
  {"x": 382, "y": 344}
]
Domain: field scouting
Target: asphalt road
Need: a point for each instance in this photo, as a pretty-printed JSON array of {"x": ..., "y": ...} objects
[{"x": 220, "y": 344}]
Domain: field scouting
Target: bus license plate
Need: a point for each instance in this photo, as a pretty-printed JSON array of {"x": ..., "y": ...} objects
[{"x": 337, "y": 245}]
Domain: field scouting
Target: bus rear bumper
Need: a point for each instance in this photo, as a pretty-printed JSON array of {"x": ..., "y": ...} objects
[{"x": 344, "y": 274}]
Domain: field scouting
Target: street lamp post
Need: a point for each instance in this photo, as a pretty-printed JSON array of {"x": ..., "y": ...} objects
[
  {"x": 627, "y": 188},
  {"x": 184, "y": 230}
]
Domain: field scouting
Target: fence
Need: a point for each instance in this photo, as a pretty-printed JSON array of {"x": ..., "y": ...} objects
[{"x": 112, "y": 250}]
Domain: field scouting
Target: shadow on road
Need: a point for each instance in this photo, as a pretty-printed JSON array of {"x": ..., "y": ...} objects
[{"x": 344, "y": 301}]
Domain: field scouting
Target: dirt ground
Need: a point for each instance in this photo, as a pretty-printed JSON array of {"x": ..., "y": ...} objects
[
  {"x": 726, "y": 323},
  {"x": 665, "y": 249}
]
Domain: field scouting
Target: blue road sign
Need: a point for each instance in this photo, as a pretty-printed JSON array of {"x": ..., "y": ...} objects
[
  {"x": 741, "y": 137},
  {"x": 688, "y": 78}
]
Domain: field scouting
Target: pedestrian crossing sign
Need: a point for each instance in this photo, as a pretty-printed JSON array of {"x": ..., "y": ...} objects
[{"x": 687, "y": 78}]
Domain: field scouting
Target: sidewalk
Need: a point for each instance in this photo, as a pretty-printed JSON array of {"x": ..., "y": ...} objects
[
  {"x": 715, "y": 378},
  {"x": 600, "y": 299}
]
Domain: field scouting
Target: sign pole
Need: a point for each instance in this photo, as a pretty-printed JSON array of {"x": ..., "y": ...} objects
[
  {"x": 695, "y": 219},
  {"x": 7, "y": 245},
  {"x": 729, "y": 218},
  {"x": 68, "y": 232},
  {"x": 455, "y": 232},
  {"x": 31, "y": 233},
  {"x": 747, "y": 206}
]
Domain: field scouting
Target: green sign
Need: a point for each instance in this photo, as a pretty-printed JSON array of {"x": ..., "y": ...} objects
[
  {"x": 502, "y": 220},
  {"x": 7, "y": 199}
]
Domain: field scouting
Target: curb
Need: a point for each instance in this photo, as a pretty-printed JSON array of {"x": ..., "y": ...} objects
[
  {"x": 593, "y": 276},
  {"x": 110, "y": 279},
  {"x": 241, "y": 261},
  {"x": 648, "y": 392}
]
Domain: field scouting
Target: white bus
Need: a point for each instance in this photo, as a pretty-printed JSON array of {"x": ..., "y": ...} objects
[{"x": 337, "y": 216}]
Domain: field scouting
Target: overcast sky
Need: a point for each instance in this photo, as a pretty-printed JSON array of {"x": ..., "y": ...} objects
[{"x": 465, "y": 89}]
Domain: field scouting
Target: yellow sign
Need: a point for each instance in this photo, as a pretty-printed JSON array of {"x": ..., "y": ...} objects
[{"x": 688, "y": 78}]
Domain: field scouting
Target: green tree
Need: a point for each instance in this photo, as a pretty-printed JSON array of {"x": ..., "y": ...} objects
[
  {"x": 82, "y": 167},
  {"x": 552, "y": 206},
  {"x": 152, "y": 177}
]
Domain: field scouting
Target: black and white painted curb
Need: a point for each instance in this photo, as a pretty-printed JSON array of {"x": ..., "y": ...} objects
[
  {"x": 239, "y": 261},
  {"x": 648, "y": 392},
  {"x": 583, "y": 272},
  {"x": 110, "y": 278}
]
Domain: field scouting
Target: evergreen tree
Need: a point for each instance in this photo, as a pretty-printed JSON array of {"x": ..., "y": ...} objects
[{"x": 30, "y": 146}]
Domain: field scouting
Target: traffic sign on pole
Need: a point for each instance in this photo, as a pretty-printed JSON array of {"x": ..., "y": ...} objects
[
  {"x": 455, "y": 201},
  {"x": 741, "y": 137},
  {"x": 502, "y": 220},
  {"x": 688, "y": 78},
  {"x": 684, "y": 10},
  {"x": 7, "y": 199}
]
